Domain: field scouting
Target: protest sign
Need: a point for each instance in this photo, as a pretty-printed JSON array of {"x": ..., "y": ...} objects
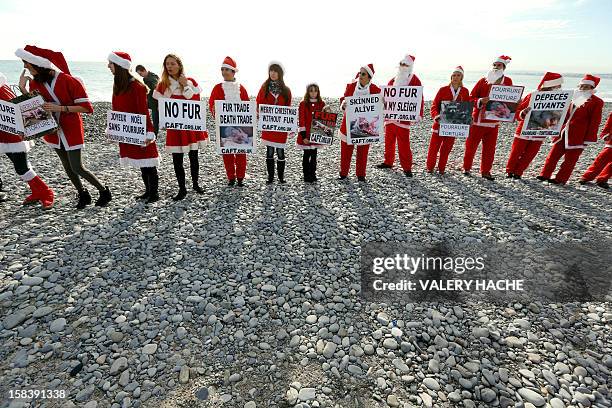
[
  {"x": 278, "y": 118},
  {"x": 182, "y": 114},
  {"x": 503, "y": 101},
  {"x": 10, "y": 118},
  {"x": 547, "y": 113},
  {"x": 364, "y": 119},
  {"x": 322, "y": 127},
  {"x": 123, "y": 127},
  {"x": 403, "y": 103},
  {"x": 31, "y": 121},
  {"x": 455, "y": 119},
  {"x": 235, "y": 126}
]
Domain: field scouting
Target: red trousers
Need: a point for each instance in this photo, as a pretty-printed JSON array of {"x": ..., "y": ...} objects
[
  {"x": 395, "y": 133},
  {"x": 601, "y": 169},
  {"x": 235, "y": 165},
  {"x": 442, "y": 144},
  {"x": 346, "y": 155},
  {"x": 567, "y": 167},
  {"x": 522, "y": 154},
  {"x": 488, "y": 136}
]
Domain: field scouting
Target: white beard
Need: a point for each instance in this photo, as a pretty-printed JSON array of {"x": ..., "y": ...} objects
[
  {"x": 403, "y": 73},
  {"x": 493, "y": 75},
  {"x": 580, "y": 97}
]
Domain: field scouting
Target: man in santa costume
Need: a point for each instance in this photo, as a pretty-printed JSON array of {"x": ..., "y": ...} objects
[
  {"x": 16, "y": 149},
  {"x": 484, "y": 130},
  {"x": 579, "y": 130},
  {"x": 601, "y": 169},
  {"x": 361, "y": 86},
  {"x": 526, "y": 148},
  {"x": 230, "y": 90},
  {"x": 400, "y": 130}
]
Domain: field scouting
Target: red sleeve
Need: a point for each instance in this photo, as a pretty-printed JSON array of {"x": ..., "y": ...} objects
[
  {"x": 464, "y": 95},
  {"x": 374, "y": 89},
  {"x": 591, "y": 134},
  {"x": 214, "y": 95},
  {"x": 289, "y": 99},
  {"x": 301, "y": 117},
  {"x": 78, "y": 93},
  {"x": 607, "y": 127},
  {"x": 390, "y": 83},
  {"x": 243, "y": 93},
  {"x": 260, "y": 97},
  {"x": 142, "y": 107},
  {"x": 479, "y": 91},
  {"x": 436, "y": 104},
  {"x": 521, "y": 107}
]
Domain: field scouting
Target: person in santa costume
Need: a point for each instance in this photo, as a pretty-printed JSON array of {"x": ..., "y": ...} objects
[
  {"x": 362, "y": 85},
  {"x": 66, "y": 99},
  {"x": 174, "y": 84},
  {"x": 455, "y": 91},
  {"x": 312, "y": 102},
  {"x": 16, "y": 149},
  {"x": 274, "y": 92},
  {"x": 130, "y": 96},
  {"x": 578, "y": 131},
  {"x": 601, "y": 168},
  {"x": 400, "y": 130},
  {"x": 484, "y": 130},
  {"x": 230, "y": 90},
  {"x": 525, "y": 148}
]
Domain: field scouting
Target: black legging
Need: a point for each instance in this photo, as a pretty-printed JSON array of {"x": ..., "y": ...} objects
[
  {"x": 280, "y": 153},
  {"x": 179, "y": 170},
  {"x": 309, "y": 161},
  {"x": 73, "y": 165},
  {"x": 20, "y": 162}
]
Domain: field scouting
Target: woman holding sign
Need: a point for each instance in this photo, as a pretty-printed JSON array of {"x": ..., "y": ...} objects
[
  {"x": 274, "y": 92},
  {"x": 174, "y": 84},
  {"x": 362, "y": 85},
  {"x": 311, "y": 103},
  {"x": 66, "y": 99},
  {"x": 16, "y": 149},
  {"x": 455, "y": 91},
  {"x": 130, "y": 95}
]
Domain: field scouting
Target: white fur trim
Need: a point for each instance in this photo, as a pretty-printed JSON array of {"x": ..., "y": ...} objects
[
  {"x": 122, "y": 62},
  {"x": 276, "y": 63},
  {"x": 2, "y": 79},
  {"x": 76, "y": 147},
  {"x": 457, "y": 69},
  {"x": 182, "y": 149},
  {"x": 302, "y": 129},
  {"x": 229, "y": 67},
  {"x": 81, "y": 100},
  {"x": 407, "y": 60},
  {"x": 150, "y": 136},
  {"x": 128, "y": 161},
  {"x": 28, "y": 175},
  {"x": 35, "y": 59},
  {"x": 552, "y": 82},
  {"x": 587, "y": 82},
  {"x": 24, "y": 146},
  {"x": 157, "y": 94},
  {"x": 231, "y": 90},
  {"x": 368, "y": 70},
  {"x": 505, "y": 62},
  {"x": 273, "y": 144}
]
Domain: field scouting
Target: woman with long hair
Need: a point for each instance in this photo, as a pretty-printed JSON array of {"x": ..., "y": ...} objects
[
  {"x": 174, "y": 84},
  {"x": 130, "y": 96},
  {"x": 311, "y": 102}
]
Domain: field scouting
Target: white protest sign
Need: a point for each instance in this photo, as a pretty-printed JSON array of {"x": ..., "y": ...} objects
[
  {"x": 278, "y": 118},
  {"x": 547, "y": 113},
  {"x": 235, "y": 126},
  {"x": 33, "y": 120},
  {"x": 123, "y": 127},
  {"x": 403, "y": 103},
  {"x": 10, "y": 118},
  {"x": 455, "y": 119},
  {"x": 182, "y": 114},
  {"x": 364, "y": 119},
  {"x": 503, "y": 101}
]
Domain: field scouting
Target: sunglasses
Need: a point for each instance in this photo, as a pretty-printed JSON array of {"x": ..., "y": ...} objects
[{"x": 362, "y": 73}]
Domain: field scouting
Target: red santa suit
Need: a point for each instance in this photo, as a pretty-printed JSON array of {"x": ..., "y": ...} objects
[
  {"x": 134, "y": 100},
  {"x": 269, "y": 138},
  {"x": 580, "y": 129},
  {"x": 346, "y": 150},
  {"x": 305, "y": 111},
  {"x": 182, "y": 141},
  {"x": 442, "y": 144},
  {"x": 601, "y": 169},
  {"x": 235, "y": 164}
]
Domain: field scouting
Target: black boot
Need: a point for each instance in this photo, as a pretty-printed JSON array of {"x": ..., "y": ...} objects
[
  {"x": 313, "y": 167},
  {"x": 240, "y": 183},
  {"x": 270, "y": 167},
  {"x": 280, "y": 166},
  {"x": 231, "y": 182},
  {"x": 180, "y": 178},
  {"x": 145, "y": 179},
  {"x": 306, "y": 167},
  {"x": 153, "y": 188},
  {"x": 84, "y": 199},
  {"x": 194, "y": 166},
  {"x": 105, "y": 197}
]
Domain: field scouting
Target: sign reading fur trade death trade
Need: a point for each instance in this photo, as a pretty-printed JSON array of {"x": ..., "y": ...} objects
[
  {"x": 123, "y": 127},
  {"x": 547, "y": 113},
  {"x": 278, "y": 118},
  {"x": 403, "y": 103},
  {"x": 323, "y": 127},
  {"x": 235, "y": 125},
  {"x": 455, "y": 119},
  {"x": 182, "y": 114},
  {"x": 25, "y": 117},
  {"x": 364, "y": 119},
  {"x": 503, "y": 101}
]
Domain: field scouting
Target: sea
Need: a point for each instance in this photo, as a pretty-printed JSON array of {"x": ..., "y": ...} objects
[{"x": 99, "y": 81}]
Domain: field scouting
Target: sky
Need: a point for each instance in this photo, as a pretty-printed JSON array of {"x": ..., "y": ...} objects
[{"x": 320, "y": 38}]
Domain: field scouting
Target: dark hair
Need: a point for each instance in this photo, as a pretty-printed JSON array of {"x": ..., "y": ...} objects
[
  {"x": 307, "y": 96},
  {"x": 140, "y": 68},
  {"x": 43, "y": 74},
  {"x": 285, "y": 90},
  {"x": 122, "y": 80}
]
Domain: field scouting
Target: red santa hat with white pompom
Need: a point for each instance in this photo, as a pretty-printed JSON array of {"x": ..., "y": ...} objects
[
  {"x": 504, "y": 59},
  {"x": 551, "y": 79},
  {"x": 121, "y": 58},
  {"x": 229, "y": 63},
  {"x": 459, "y": 69},
  {"x": 589, "y": 79},
  {"x": 43, "y": 58},
  {"x": 407, "y": 60}
]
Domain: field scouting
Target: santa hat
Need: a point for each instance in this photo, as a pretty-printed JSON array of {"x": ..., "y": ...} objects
[
  {"x": 120, "y": 58},
  {"x": 369, "y": 68},
  {"x": 43, "y": 58},
  {"x": 311, "y": 83},
  {"x": 590, "y": 80},
  {"x": 229, "y": 63},
  {"x": 408, "y": 60},
  {"x": 459, "y": 69},
  {"x": 2, "y": 79},
  {"x": 276, "y": 63},
  {"x": 551, "y": 79},
  {"x": 504, "y": 59}
]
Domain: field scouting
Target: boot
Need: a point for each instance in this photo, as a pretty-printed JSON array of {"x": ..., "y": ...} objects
[
  {"x": 231, "y": 182},
  {"x": 270, "y": 167},
  {"x": 313, "y": 169},
  {"x": 180, "y": 177},
  {"x": 195, "y": 175},
  {"x": 105, "y": 197},
  {"x": 84, "y": 199},
  {"x": 153, "y": 187},
  {"x": 145, "y": 195},
  {"x": 280, "y": 166},
  {"x": 306, "y": 168},
  {"x": 40, "y": 192},
  {"x": 240, "y": 183}
]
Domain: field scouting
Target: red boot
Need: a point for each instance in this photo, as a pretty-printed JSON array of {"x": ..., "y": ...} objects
[{"x": 40, "y": 192}]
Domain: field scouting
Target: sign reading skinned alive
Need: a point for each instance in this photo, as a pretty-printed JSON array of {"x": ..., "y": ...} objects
[
  {"x": 547, "y": 113},
  {"x": 403, "y": 103},
  {"x": 182, "y": 114},
  {"x": 123, "y": 127},
  {"x": 278, "y": 118},
  {"x": 364, "y": 119},
  {"x": 235, "y": 126},
  {"x": 557, "y": 272}
]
